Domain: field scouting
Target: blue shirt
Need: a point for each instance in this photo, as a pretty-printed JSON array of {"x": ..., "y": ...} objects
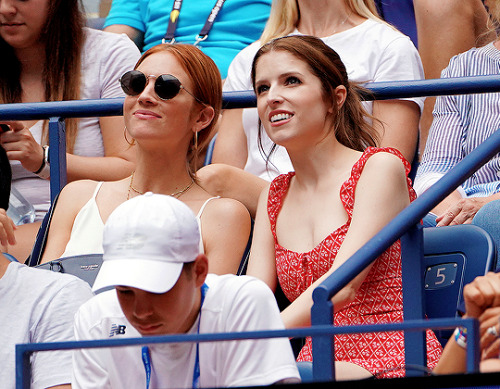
[
  {"x": 463, "y": 122},
  {"x": 239, "y": 23}
]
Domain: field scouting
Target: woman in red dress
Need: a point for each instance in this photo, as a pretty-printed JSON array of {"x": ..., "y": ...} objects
[{"x": 342, "y": 192}]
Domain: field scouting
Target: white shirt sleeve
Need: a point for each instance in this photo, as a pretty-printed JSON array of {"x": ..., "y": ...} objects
[
  {"x": 121, "y": 56},
  {"x": 239, "y": 72},
  {"x": 50, "y": 368},
  {"x": 255, "y": 362},
  {"x": 400, "y": 61},
  {"x": 89, "y": 364}
]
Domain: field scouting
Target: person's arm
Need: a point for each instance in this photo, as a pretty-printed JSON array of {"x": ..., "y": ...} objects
[
  {"x": 234, "y": 183},
  {"x": 225, "y": 227},
  {"x": 381, "y": 193},
  {"x": 446, "y": 28},
  {"x": 7, "y": 228},
  {"x": 119, "y": 159},
  {"x": 262, "y": 262},
  {"x": 118, "y": 162},
  {"x": 231, "y": 145},
  {"x": 134, "y": 34},
  {"x": 71, "y": 199},
  {"x": 400, "y": 125},
  {"x": 457, "y": 210},
  {"x": 127, "y": 17}
]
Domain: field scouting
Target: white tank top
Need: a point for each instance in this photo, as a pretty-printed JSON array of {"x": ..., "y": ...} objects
[{"x": 88, "y": 227}]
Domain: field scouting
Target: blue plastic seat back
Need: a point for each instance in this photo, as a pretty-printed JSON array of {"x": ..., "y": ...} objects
[
  {"x": 41, "y": 237},
  {"x": 305, "y": 371},
  {"x": 210, "y": 151},
  {"x": 453, "y": 256}
]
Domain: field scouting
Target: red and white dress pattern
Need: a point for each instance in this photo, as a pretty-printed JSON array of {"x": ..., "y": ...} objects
[{"x": 378, "y": 300}]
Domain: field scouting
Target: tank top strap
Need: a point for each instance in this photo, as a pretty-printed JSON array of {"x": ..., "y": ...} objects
[
  {"x": 198, "y": 220},
  {"x": 96, "y": 190},
  {"x": 200, "y": 212}
]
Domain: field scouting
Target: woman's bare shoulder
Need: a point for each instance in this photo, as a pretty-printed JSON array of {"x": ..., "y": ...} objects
[
  {"x": 226, "y": 208},
  {"x": 78, "y": 190},
  {"x": 384, "y": 164}
]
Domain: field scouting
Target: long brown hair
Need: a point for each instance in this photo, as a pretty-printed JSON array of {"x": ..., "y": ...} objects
[
  {"x": 349, "y": 121},
  {"x": 63, "y": 36},
  {"x": 207, "y": 87}
]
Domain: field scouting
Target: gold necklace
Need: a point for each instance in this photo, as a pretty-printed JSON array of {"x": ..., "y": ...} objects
[{"x": 175, "y": 194}]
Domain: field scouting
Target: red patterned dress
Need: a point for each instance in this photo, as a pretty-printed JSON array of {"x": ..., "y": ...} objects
[{"x": 378, "y": 300}]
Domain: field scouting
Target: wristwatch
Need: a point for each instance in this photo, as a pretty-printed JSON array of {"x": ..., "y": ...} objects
[{"x": 44, "y": 171}]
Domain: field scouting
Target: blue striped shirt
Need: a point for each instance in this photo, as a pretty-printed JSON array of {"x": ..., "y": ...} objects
[{"x": 463, "y": 122}]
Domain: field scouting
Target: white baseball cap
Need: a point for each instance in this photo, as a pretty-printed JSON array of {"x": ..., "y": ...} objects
[{"x": 146, "y": 242}]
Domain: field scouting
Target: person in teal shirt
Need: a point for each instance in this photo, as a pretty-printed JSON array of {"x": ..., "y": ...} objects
[{"x": 239, "y": 23}]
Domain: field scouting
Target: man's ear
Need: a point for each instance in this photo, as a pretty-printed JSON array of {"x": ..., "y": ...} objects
[
  {"x": 200, "y": 270},
  {"x": 205, "y": 117}
]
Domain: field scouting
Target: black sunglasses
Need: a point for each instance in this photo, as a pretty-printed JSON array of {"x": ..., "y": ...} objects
[{"x": 166, "y": 86}]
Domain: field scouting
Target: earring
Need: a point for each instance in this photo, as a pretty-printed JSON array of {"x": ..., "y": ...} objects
[
  {"x": 125, "y": 136},
  {"x": 195, "y": 141}
]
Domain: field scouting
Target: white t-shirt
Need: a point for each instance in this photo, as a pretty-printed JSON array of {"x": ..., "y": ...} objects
[
  {"x": 232, "y": 304},
  {"x": 371, "y": 52},
  {"x": 36, "y": 306},
  {"x": 105, "y": 57}
]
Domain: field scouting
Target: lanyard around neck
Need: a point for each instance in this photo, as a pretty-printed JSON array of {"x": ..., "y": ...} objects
[
  {"x": 174, "y": 19},
  {"x": 146, "y": 355}
]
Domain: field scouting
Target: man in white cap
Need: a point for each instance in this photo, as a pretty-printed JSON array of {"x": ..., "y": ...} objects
[{"x": 152, "y": 258}]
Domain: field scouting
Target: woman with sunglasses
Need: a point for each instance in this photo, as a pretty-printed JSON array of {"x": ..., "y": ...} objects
[
  {"x": 173, "y": 96},
  {"x": 48, "y": 55},
  {"x": 341, "y": 193}
]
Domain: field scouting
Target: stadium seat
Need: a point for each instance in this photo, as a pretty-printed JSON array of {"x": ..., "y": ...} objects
[
  {"x": 210, "y": 151},
  {"x": 41, "y": 237},
  {"x": 453, "y": 257},
  {"x": 10, "y": 257},
  {"x": 305, "y": 371}
]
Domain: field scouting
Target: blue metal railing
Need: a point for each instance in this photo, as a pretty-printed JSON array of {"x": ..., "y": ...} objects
[
  {"x": 56, "y": 111},
  {"x": 24, "y": 351},
  {"x": 405, "y": 223}
]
